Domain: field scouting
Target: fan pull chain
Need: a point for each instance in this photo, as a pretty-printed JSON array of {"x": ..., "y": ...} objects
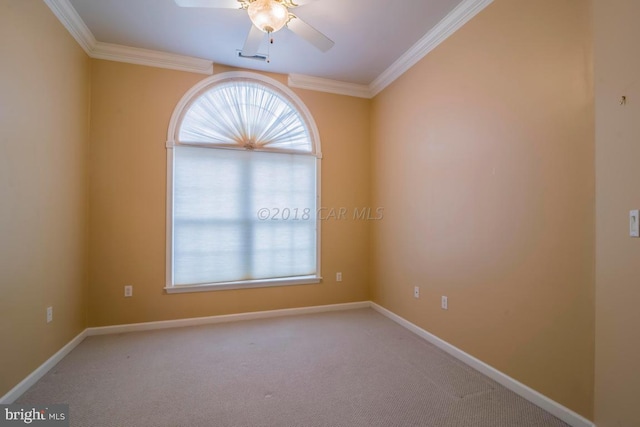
[{"x": 269, "y": 47}]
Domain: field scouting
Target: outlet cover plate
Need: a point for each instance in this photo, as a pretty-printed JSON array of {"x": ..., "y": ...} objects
[{"x": 634, "y": 225}]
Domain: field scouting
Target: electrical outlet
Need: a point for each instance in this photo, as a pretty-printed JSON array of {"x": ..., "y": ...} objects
[
  {"x": 128, "y": 291},
  {"x": 49, "y": 314},
  {"x": 338, "y": 277},
  {"x": 416, "y": 292},
  {"x": 634, "y": 223},
  {"x": 444, "y": 303}
]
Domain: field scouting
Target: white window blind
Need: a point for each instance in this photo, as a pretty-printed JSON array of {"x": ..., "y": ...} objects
[
  {"x": 243, "y": 188},
  {"x": 245, "y": 113},
  {"x": 218, "y": 197}
]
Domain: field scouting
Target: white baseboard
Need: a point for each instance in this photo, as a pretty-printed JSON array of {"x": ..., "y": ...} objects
[
  {"x": 554, "y": 408},
  {"x": 561, "y": 412},
  {"x": 30, "y": 380},
  {"x": 148, "y": 326},
  {"x": 33, "y": 377}
]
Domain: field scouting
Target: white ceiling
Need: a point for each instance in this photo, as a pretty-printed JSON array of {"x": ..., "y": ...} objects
[{"x": 370, "y": 35}]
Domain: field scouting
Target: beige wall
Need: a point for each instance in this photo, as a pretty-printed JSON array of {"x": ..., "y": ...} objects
[
  {"x": 130, "y": 110},
  {"x": 617, "y": 67},
  {"x": 484, "y": 160},
  {"x": 482, "y": 156},
  {"x": 44, "y": 103}
]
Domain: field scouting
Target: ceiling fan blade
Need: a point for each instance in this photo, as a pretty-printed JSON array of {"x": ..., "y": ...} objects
[
  {"x": 253, "y": 42},
  {"x": 301, "y": 2},
  {"x": 217, "y": 4},
  {"x": 310, "y": 34}
]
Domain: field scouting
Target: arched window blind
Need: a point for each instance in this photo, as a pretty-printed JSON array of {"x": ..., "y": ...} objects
[
  {"x": 243, "y": 189},
  {"x": 248, "y": 114}
]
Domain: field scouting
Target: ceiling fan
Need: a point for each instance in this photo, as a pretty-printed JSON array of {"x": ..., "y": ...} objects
[{"x": 267, "y": 16}]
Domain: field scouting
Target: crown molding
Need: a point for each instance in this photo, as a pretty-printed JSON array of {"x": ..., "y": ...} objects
[
  {"x": 301, "y": 81},
  {"x": 151, "y": 58},
  {"x": 451, "y": 23},
  {"x": 67, "y": 15},
  {"x": 464, "y": 12}
]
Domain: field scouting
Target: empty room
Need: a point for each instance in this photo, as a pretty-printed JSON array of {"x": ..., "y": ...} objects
[{"x": 319, "y": 213}]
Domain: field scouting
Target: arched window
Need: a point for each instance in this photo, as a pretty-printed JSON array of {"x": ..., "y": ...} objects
[{"x": 243, "y": 164}]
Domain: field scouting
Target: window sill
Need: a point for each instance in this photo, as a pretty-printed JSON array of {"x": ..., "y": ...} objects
[{"x": 246, "y": 284}]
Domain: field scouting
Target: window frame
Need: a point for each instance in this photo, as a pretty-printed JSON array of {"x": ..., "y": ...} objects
[{"x": 173, "y": 140}]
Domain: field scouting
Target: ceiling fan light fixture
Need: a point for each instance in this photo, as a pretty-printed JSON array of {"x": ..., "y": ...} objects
[{"x": 268, "y": 15}]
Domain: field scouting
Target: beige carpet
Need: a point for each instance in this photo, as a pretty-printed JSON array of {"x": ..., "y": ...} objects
[{"x": 352, "y": 368}]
